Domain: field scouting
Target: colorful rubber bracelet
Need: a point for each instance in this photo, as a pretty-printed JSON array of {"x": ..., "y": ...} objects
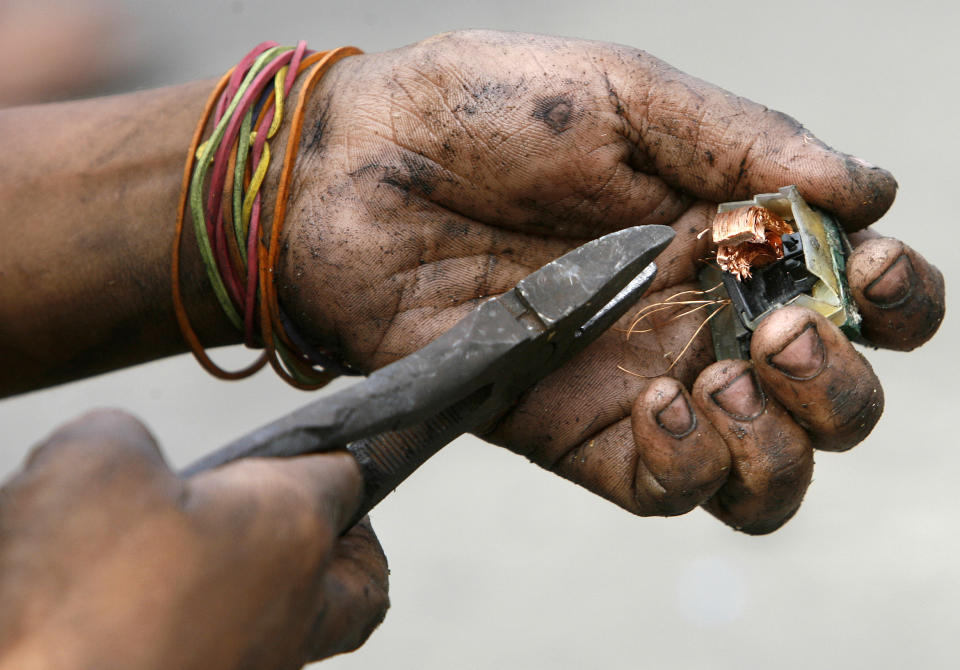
[
  {"x": 183, "y": 319},
  {"x": 272, "y": 328},
  {"x": 222, "y": 187}
]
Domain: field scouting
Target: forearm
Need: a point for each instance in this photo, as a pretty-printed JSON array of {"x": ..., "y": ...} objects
[{"x": 89, "y": 195}]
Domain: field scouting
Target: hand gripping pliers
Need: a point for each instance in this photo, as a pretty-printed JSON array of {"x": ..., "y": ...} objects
[{"x": 399, "y": 416}]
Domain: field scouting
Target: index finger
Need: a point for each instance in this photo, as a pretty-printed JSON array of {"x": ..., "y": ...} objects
[{"x": 716, "y": 145}]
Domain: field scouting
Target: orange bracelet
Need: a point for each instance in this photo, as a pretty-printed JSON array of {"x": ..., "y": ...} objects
[{"x": 280, "y": 349}]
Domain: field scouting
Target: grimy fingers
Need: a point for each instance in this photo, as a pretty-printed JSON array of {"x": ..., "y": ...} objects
[
  {"x": 665, "y": 459},
  {"x": 718, "y": 146},
  {"x": 900, "y": 294},
  {"x": 813, "y": 369},
  {"x": 606, "y": 423},
  {"x": 771, "y": 456}
]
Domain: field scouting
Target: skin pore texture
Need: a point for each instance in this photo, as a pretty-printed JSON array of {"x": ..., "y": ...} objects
[{"x": 429, "y": 178}]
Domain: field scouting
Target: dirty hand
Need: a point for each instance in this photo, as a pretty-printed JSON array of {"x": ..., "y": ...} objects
[
  {"x": 109, "y": 560},
  {"x": 442, "y": 173}
]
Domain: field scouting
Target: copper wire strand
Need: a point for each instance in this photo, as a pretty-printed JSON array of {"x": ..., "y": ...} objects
[
  {"x": 666, "y": 304},
  {"x": 705, "y": 304},
  {"x": 660, "y": 307},
  {"x": 682, "y": 351}
]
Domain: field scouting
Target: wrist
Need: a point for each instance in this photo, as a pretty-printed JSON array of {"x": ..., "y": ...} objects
[
  {"x": 239, "y": 242},
  {"x": 312, "y": 283}
]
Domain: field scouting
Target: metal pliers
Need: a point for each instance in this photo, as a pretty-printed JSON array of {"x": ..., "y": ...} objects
[{"x": 399, "y": 416}]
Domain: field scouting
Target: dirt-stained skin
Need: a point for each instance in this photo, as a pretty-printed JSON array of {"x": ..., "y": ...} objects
[
  {"x": 900, "y": 295},
  {"x": 134, "y": 538},
  {"x": 429, "y": 178},
  {"x": 807, "y": 363},
  {"x": 439, "y": 174},
  {"x": 772, "y": 462}
]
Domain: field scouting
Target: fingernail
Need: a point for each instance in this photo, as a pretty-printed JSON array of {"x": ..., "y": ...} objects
[
  {"x": 677, "y": 418},
  {"x": 742, "y": 398},
  {"x": 801, "y": 358},
  {"x": 894, "y": 285}
]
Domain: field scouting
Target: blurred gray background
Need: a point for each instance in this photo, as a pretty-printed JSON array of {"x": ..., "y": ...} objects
[{"x": 496, "y": 563}]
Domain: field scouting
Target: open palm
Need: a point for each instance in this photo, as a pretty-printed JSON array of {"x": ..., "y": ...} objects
[{"x": 439, "y": 174}]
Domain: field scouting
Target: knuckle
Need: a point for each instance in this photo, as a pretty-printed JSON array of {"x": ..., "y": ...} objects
[
  {"x": 451, "y": 35},
  {"x": 782, "y": 123},
  {"x": 453, "y": 40},
  {"x": 98, "y": 438}
]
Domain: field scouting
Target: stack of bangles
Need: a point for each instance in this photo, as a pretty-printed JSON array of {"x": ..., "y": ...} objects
[{"x": 221, "y": 186}]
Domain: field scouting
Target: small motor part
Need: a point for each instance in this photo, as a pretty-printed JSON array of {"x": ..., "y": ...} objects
[{"x": 776, "y": 250}]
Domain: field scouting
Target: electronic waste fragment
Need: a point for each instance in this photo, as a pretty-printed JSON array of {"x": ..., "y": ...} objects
[{"x": 772, "y": 251}]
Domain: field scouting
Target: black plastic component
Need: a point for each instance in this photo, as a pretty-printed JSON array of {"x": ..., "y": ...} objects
[{"x": 773, "y": 285}]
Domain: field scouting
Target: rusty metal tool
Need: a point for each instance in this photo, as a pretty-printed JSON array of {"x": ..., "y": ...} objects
[{"x": 399, "y": 416}]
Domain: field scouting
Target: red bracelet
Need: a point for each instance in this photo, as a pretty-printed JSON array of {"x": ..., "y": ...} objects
[{"x": 221, "y": 186}]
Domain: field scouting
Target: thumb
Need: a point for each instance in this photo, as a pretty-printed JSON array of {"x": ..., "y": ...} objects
[
  {"x": 719, "y": 146},
  {"x": 323, "y": 489},
  {"x": 333, "y": 478}
]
